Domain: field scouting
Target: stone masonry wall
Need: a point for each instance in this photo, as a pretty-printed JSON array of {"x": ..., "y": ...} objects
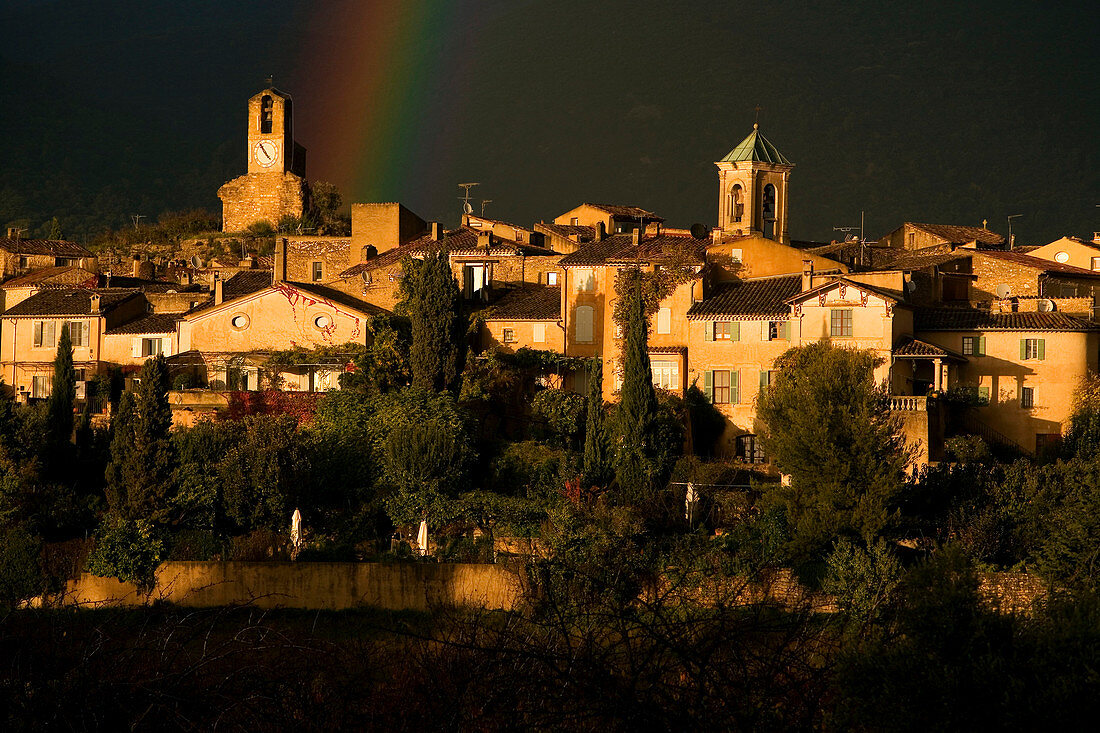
[{"x": 260, "y": 196}]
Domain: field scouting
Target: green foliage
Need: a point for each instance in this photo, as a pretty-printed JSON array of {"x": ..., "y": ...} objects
[
  {"x": 597, "y": 452},
  {"x": 636, "y": 468},
  {"x": 324, "y": 210},
  {"x": 757, "y": 542},
  {"x": 560, "y": 416},
  {"x": 652, "y": 287},
  {"x": 528, "y": 469},
  {"x": 384, "y": 364},
  {"x": 55, "y": 230},
  {"x": 863, "y": 580},
  {"x": 139, "y": 476},
  {"x": 707, "y": 423},
  {"x": 1083, "y": 436},
  {"x": 426, "y": 466},
  {"x": 263, "y": 475},
  {"x": 127, "y": 549},
  {"x": 431, "y": 299},
  {"x": 59, "y": 407},
  {"x": 21, "y": 575},
  {"x": 830, "y": 429},
  {"x": 198, "y": 501}
]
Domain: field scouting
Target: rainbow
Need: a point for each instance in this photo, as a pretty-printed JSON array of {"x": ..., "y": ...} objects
[{"x": 388, "y": 74}]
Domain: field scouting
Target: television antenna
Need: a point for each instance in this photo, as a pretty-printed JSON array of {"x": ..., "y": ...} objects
[
  {"x": 483, "y": 203},
  {"x": 1010, "y": 218},
  {"x": 465, "y": 197},
  {"x": 137, "y": 218}
]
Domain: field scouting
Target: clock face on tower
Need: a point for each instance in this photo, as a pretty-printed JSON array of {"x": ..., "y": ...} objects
[{"x": 266, "y": 153}]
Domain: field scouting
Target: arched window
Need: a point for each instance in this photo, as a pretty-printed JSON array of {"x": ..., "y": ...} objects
[
  {"x": 736, "y": 205},
  {"x": 768, "y": 211},
  {"x": 267, "y": 114}
]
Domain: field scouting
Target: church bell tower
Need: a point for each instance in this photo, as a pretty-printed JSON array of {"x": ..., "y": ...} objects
[
  {"x": 274, "y": 185},
  {"x": 752, "y": 189}
]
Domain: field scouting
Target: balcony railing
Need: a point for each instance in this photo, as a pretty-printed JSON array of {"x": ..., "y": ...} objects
[{"x": 909, "y": 403}]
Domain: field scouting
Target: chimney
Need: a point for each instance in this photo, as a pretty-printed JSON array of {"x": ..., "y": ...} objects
[
  {"x": 484, "y": 239},
  {"x": 219, "y": 294},
  {"x": 280, "y": 261},
  {"x": 93, "y": 304},
  {"x": 135, "y": 267},
  {"x": 247, "y": 263},
  {"x": 13, "y": 232},
  {"x": 437, "y": 231},
  {"x": 601, "y": 231},
  {"x": 807, "y": 275}
]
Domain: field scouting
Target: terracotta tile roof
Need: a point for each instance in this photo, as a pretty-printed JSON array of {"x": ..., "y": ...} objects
[
  {"x": 960, "y": 234},
  {"x": 56, "y": 247},
  {"x": 323, "y": 293},
  {"x": 462, "y": 241},
  {"x": 527, "y": 303},
  {"x": 620, "y": 248},
  {"x": 916, "y": 348},
  {"x": 667, "y": 350},
  {"x": 152, "y": 323},
  {"x": 895, "y": 259},
  {"x": 70, "y": 302},
  {"x": 894, "y": 295},
  {"x": 628, "y": 212},
  {"x": 42, "y": 275},
  {"x": 245, "y": 283},
  {"x": 1038, "y": 263},
  {"x": 583, "y": 233},
  {"x": 970, "y": 319},
  {"x": 149, "y": 286},
  {"x": 765, "y": 296}
]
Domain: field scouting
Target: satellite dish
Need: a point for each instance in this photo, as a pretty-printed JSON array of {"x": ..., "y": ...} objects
[
  {"x": 365, "y": 274},
  {"x": 467, "y": 208},
  {"x": 700, "y": 231},
  {"x": 1046, "y": 306},
  {"x": 911, "y": 286},
  {"x": 196, "y": 262},
  {"x": 1003, "y": 291}
]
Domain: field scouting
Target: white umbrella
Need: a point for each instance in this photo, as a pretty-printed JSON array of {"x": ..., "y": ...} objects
[
  {"x": 296, "y": 530},
  {"x": 422, "y": 537},
  {"x": 689, "y": 503}
]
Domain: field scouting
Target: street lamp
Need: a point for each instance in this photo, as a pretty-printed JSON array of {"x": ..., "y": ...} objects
[{"x": 1014, "y": 216}]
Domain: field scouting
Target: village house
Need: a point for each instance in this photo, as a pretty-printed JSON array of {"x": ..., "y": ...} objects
[{"x": 18, "y": 255}]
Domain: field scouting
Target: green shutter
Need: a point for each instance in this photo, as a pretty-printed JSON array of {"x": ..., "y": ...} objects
[
  {"x": 786, "y": 332},
  {"x": 735, "y": 330},
  {"x": 735, "y": 386},
  {"x": 708, "y": 385},
  {"x": 983, "y": 395},
  {"x": 708, "y": 330},
  {"x": 763, "y": 380},
  {"x": 1023, "y": 349},
  {"x": 1042, "y": 349},
  {"x": 765, "y": 329},
  {"x": 981, "y": 346}
]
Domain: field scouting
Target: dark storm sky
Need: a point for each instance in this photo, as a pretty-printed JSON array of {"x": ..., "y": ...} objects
[{"x": 929, "y": 111}]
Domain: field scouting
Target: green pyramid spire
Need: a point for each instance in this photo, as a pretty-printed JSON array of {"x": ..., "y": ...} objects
[{"x": 756, "y": 148}]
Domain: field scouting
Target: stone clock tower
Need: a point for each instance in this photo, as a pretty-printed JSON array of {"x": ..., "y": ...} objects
[
  {"x": 752, "y": 189},
  {"x": 275, "y": 183}
]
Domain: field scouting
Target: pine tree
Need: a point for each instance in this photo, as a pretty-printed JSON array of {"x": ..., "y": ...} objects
[
  {"x": 59, "y": 406},
  {"x": 597, "y": 471},
  {"x": 636, "y": 466},
  {"x": 55, "y": 229},
  {"x": 433, "y": 303}
]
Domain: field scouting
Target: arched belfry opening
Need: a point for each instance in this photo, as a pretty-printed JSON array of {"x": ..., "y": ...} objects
[
  {"x": 267, "y": 114},
  {"x": 736, "y": 204},
  {"x": 767, "y": 211}
]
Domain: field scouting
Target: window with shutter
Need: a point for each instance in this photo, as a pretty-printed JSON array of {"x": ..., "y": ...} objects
[
  {"x": 708, "y": 385},
  {"x": 721, "y": 387},
  {"x": 664, "y": 320},
  {"x": 538, "y": 333},
  {"x": 735, "y": 386},
  {"x": 584, "y": 319}
]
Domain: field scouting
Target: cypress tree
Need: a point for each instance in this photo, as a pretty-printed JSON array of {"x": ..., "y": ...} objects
[
  {"x": 433, "y": 303},
  {"x": 139, "y": 476},
  {"x": 635, "y": 453},
  {"x": 116, "y": 476},
  {"x": 59, "y": 406},
  {"x": 596, "y": 465}
]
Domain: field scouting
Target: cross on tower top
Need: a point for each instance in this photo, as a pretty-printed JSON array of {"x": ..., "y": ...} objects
[{"x": 756, "y": 118}]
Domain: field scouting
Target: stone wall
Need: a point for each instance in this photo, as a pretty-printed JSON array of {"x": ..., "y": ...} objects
[
  {"x": 302, "y": 252},
  {"x": 329, "y": 586},
  {"x": 259, "y": 197}
]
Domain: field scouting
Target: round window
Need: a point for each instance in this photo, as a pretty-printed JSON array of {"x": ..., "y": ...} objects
[
  {"x": 239, "y": 321},
  {"x": 322, "y": 322},
  {"x": 1062, "y": 257}
]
